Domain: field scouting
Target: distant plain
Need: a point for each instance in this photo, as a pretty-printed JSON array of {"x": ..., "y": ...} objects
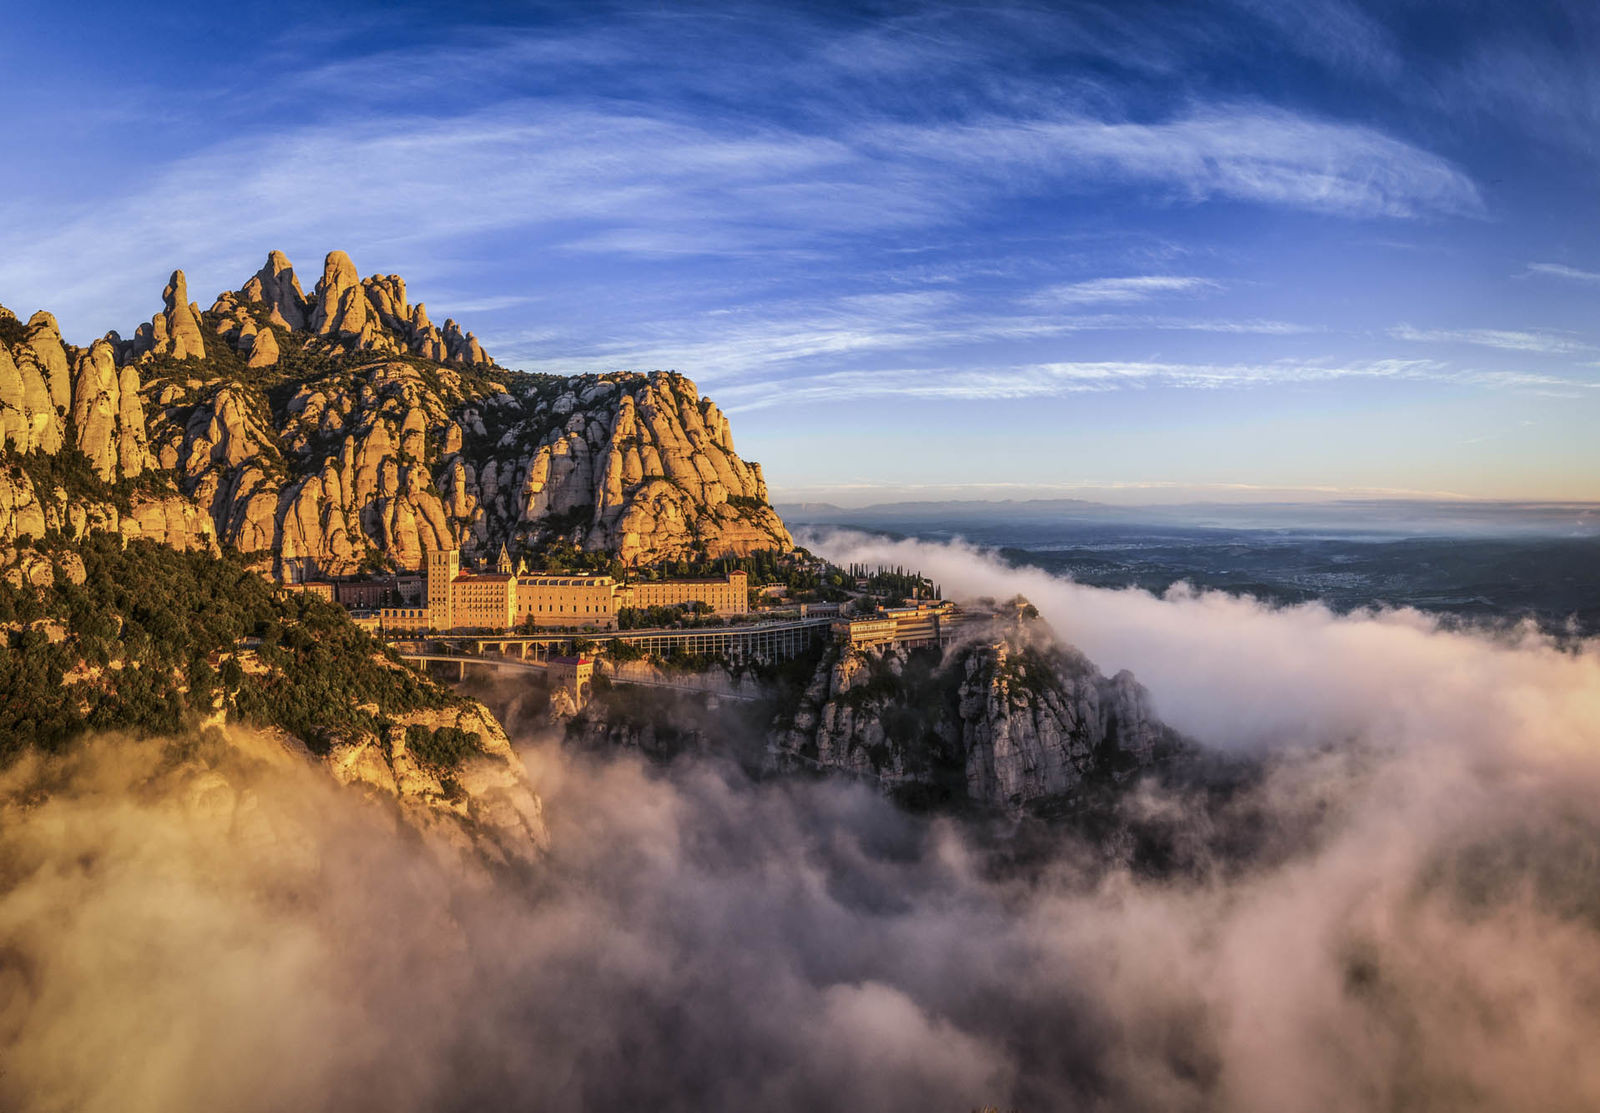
[{"x": 1485, "y": 563}]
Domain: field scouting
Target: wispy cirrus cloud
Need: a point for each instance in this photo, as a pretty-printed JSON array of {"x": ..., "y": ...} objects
[
  {"x": 1041, "y": 380},
  {"x": 1241, "y": 153},
  {"x": 799, "y": 339},
  {"x": 1135, "y": 288},
  {"x": 1251, "y": 326},
  {"x": 567, "y": 175},
  {"x": 1336, "y": 32},
  {"x": 1506, "y": 340},
  {"x": 1559, "y": 270},
  {"x": 733, "y": 190},
  {"x": 1047, "y": 380}
]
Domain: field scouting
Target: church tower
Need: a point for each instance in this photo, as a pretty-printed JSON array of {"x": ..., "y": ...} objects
[
  {"x": 503, "y": 565},
  {"x": 444, "y": 565}
]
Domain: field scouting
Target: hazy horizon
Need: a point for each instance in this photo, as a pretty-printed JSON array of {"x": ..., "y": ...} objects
[{"x": 855, "y": 498}]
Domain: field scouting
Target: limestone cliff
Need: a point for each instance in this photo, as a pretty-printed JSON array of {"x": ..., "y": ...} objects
[
  {"x": 1007, "y": 719},
  {"x": 343, "y": 429},
  {"x": 484, "y": 806}
]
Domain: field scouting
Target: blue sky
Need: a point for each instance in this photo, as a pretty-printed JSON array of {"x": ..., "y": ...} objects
[{"x": 1137, "y": 252}]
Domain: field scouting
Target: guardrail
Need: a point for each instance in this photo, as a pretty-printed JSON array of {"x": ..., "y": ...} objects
[{"x": 462, "y": 660}]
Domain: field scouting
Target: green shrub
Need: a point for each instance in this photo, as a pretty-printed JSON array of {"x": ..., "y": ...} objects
[{"x": 443, "y": 747}]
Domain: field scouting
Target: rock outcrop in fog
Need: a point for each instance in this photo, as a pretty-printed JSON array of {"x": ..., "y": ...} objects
[
  {"x": 1007, "y": 718},
  {"x": 342, "y": 429},
  {"x": 484, "y": 808}
]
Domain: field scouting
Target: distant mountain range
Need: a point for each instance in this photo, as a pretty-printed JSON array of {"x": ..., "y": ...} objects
[{"x": 1400, "y": 517}]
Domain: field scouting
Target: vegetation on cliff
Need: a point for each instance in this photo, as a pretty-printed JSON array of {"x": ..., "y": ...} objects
[
  {"x": 146, "y": 639},
  {"x": 444, "y": 747}
]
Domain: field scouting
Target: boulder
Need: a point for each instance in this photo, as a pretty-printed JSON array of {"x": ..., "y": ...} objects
[{"x": 263, "y": 350}]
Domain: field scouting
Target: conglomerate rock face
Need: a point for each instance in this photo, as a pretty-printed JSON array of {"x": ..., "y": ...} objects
[
  {"x": 393, "y": 460},
  {"x": 108, "y": 413},
  {"x": 485, "y": 806},
  {"x": 28, "y": 418},
  {"x": 1005, "y": 719},
  {"x": 343, "y": 430}
]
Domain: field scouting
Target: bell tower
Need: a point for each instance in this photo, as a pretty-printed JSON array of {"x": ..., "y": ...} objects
[{"x": 444, "y": 565}]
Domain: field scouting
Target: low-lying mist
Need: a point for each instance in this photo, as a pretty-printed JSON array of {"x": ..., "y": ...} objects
[
  {"x": 233, "y": 931},
  {"x": 1237, "y": 674}
]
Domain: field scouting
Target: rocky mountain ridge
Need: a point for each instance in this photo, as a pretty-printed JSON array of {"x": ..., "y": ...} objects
[{"x": 344, "y": 430}]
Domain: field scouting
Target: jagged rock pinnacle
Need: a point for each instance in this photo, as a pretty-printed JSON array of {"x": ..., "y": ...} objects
[
  {"x": 182, "y": 319},
  {"x": 276, "y": 286},
  {"x": 341, "y": 306},
  {"x": 263, "y": 349}
]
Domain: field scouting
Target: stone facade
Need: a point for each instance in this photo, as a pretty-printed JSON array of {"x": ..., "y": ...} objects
[
  {"x": 729, "y": 595},
  {"x": 484, "y": 601},
  {"x": 443, "y": 566},
  {"x": 503, "y": 600},
  {"x": 320, "y": 588},
  {"x": 915, "y": 625},
  {"x": 567, "y": 601}
]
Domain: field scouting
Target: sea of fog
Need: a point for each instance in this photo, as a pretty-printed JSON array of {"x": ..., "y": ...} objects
[{"x": 1417, "y": 926}]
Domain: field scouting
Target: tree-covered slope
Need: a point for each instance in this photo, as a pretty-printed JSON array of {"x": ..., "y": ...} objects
[{"x": 138, "y": 639}]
